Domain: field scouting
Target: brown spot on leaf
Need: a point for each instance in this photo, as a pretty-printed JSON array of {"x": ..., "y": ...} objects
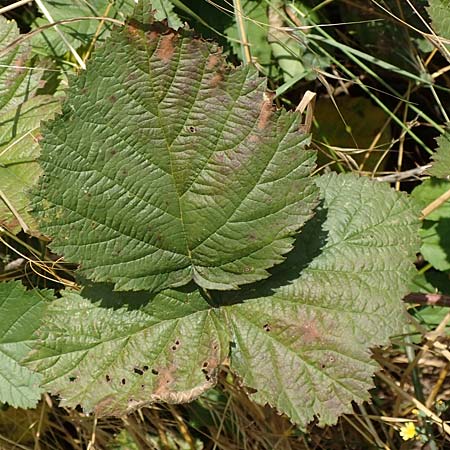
[
  {"x": 213, "y": 60},
  {"x": 165, "y": 379},
  {"x": 216, "y": 79},
  {"x": 309, "y": 332},
  {"x": 166, "y": 47},
  {"x": 266, "y": 111},
  {"x": 133, "y": 33},
  {"x": 152, "y": 36},
  {"x": 103, "y": 407}
]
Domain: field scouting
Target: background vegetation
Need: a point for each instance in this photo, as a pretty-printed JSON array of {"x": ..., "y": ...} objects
[{"x": 375, "y": 74}]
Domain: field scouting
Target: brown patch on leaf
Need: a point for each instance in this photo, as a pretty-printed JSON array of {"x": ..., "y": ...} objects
[
  {"x": 213, "y": 61},
  {"x": 37, "y": 137},
  {"x": 133, "y": 33},
  {"x": 152, "y": 36},
  {"x": 216, "y": 80},
  {"x": 309, "y": 332},
  {"x": 166, "y": 47},
  {"x": 104, "y": 406},
  {"x": 165, "y": 379},
  {"x": 266, "y": 111}
]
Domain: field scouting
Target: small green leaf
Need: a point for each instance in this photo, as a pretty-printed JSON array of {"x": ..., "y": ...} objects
[
  {"x": 172, "y": 167},
  {"x": 435, "y": 231},
  {"x": 256, "y": 23},
  {"x": 302, "y": 338},
  {"x": 441, "y": 159},
  {"x": 18, "y": 82},
  {"x": 133, "y": 349},
  {"x": 19, "y": 149},
  {"x": 164, "y": 10},
  {"x": 82, "y": 32},
  {"x": 440, "y": 18},
  {"x": 21, "y": 313}
]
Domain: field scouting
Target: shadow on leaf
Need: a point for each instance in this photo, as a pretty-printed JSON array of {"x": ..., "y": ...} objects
[{"x": 307, "y": 246}]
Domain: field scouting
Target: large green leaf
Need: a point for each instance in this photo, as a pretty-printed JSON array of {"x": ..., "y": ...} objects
[
  {"x": 172, "y": 167},
  {"x": 441, "y": 159},
  {"x": 19, "y": 149},
  {"x": 83, "y": 32},
  {"x": 305, "y": 349},
  {"x": 18, "y": 82},
  {"x": 301, "y": 338},
  {"x": 20, "y": 313},
  {"x": 117, "y": 354}
]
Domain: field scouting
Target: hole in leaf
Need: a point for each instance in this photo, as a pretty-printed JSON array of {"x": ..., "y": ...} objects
[
  {"x": 108, "y": 378},
  {"x": 123, "y": 381},
  {"x": 155, "y": 372},
  {"x": 267, "y": 327},
  {"x": 205, "y": 364},
  {"x": 72, "y": 379},
  {"x": 145, "y": 368},
  {"x": 192, "y": 129},
  {"x": 138, "y": 371}
]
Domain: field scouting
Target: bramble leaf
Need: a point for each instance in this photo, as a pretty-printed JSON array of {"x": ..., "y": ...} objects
[
  {"x": 172, "y": 167},
  {"x": 19, "y": 149},
  {"x": 435, "y": 230},
  {"x": 440, "y": 19},
  {"x": 305, "y": 349},
  {"x": 21, "y": 313},
  {"x": 80, "y": 32},
  {"x": 441, "y": 159},
  {"x": 83, "y": 32},
  {"x": 18, "y": 82},
  {"x": 122, "y": 351},
  {"x": 301, "y": 338}
]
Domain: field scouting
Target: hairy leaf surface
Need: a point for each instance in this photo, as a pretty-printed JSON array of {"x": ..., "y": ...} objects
[
  {"x": 301, "y": 338},
  {"x": 19, "y": 149},
  {"x": 20, "y": 313},
  {"x": 167, "y": 165},
  {"x": 305, "y": 349},
  {"x": 122, "y": 351}
]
